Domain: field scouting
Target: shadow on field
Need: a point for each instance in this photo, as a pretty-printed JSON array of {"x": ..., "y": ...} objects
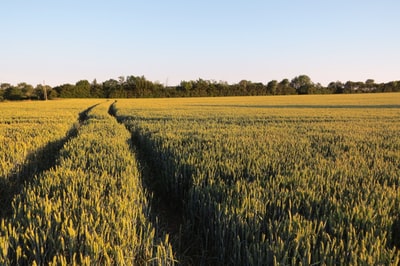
[
  {"x": 84, "y": 114},
  {"x": 166, "y": 212},
  {"x": 36, "y": 162},
  {"x": 396, "y": 233}
]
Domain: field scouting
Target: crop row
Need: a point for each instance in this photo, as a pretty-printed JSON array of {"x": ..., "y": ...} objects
[
  {"x": 89, "y": 209},
  {"x": 31, "y": 134},
  {"x": 272, "y": 185}
]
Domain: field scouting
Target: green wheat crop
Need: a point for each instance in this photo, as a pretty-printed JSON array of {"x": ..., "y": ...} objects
[
  {"x": 296, "y": 180},
  {"x": 89, "y": 208}
]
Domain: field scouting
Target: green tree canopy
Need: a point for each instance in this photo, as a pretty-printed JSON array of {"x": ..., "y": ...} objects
[{"x": 302, "y": 84}]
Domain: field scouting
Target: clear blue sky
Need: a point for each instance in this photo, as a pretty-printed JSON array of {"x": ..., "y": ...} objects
[{"x": 169, "y": 40}]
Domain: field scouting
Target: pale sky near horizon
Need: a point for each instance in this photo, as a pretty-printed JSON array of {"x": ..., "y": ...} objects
[{"x": 168, "y": 41}]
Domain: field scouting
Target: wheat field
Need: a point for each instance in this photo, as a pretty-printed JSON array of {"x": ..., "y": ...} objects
[{"x": 276, "y": 180}]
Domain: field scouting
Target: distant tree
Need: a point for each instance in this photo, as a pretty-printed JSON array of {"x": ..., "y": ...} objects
[
  {"x": 393, "y": 86},
  {"x": 136, "y": 86},
  {"x": 370, "y": 85},
  {"x": 185, "y": 86},
  {"x": 285, "y": 88},
  {"x": 13, "y": 93},
  {"x": 370, "y": 82},
  {"x": 3, "y": 87},
  {"x": 350, "y": 87},
  {"x": 139, "y": 86},
  {"x": 130, "y": 86},
  {"x": 222, "y": 88},
  {"x": 302, "y": 84},
  {"x": 117, "y": 93},
  {"x": 65, "y": 91},
  {"x": 112, "y": 89},
  {"x": 27, "y": 90},
  {"x": 272, "y": 87},
  {"x": 41, "y": 92},
  {"x": 336, "y": 87},
  {"x": 243, "y": 84},
  {"x": 38, "y": 92},
  {"x": 254, "y": 88},
  {"x": 143, "y": 86},
  {"x": 396, "y": 86},
  {"x": 354, "y": 87},
  {"x": 319, "y": 89},
  {"x": 52, "y": 94},
  {"x": 159, "y": 90},
  {"x": 121, "y": 80},
  {"x": 200, "y": 88},
  {"x": 82, "y": 89},
  {"x": 96, "y": 90}
]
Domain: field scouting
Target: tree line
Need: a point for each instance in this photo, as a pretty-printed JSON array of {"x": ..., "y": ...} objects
[{"x": 140, "y": 87}]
